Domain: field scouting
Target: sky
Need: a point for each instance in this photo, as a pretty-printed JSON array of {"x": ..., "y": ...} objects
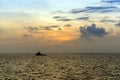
[{"x": 60, "y": 26}]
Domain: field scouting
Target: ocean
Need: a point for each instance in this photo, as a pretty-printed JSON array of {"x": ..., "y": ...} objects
[{"x": 60, "y": 67}]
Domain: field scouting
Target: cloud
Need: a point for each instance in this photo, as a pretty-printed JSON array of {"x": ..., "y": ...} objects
[
  {"x": 118, "y": 24},
  {"x": 61, "y": 18},
  {"x": 34, "y": 29},
  {"x": 83, "y": 18},
  {"x": 58, "y": 17},
  {"x": 65, "y": 19},
  {"x": 48, "y": 27},
  {"x": 105, "y": 20},
  {"x": 67, "y": 25},
  {"x": 57, "y": 12},
  {"x": 108, "y": 19},
  {"x": 54, "y": 26},
  {"x": 98, "y": 9},
  {"x": 111, "y": 1},
  {"x": 27, "y": 35},
  {"x": 45, "y": 28},
  {"x": 92, "y": 30},
  {"x": 59, "y": 29}
]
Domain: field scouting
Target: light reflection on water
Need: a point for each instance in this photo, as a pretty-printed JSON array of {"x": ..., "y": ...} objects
[{"x": 60, "y": 67}]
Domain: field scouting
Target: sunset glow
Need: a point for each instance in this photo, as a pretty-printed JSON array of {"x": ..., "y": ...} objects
[{"x": 36, "y": 24}]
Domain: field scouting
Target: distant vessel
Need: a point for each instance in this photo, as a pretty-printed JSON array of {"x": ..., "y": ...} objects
[{"x": 40, "y": 54}]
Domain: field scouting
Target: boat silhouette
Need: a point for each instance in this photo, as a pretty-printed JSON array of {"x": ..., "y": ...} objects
[{"x": 40, "y": 54}]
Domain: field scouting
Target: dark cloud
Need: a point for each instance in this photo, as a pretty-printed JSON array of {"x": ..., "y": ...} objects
[
  {"x": 39, "y": 28},
  {"x": 105, "y": 20},
  {"x": 67, "y": 25},
  {"x": 111, "y": 1},
  {"x": 59, "y": 29},
  {"x": 62, "y": 18},
  {"x": 48, "y": 27},
  {"x": 65, "y": 19},
  {"x": 58, "y": 17},
  {"x": 54, "y": 26},
  {"x": 45, "y": 28},
  {"x": 33, "y": 29},
  {"x": 83, "y": 18},
  {"x": 92, "y": 30},
  {"x": 27, "y": 35},
  {"x": 30, "y": 28},
  {"x": 99, "y": 9},
  {"x": 58, "y": 12},
  {"x": 118, "y": 24}
]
